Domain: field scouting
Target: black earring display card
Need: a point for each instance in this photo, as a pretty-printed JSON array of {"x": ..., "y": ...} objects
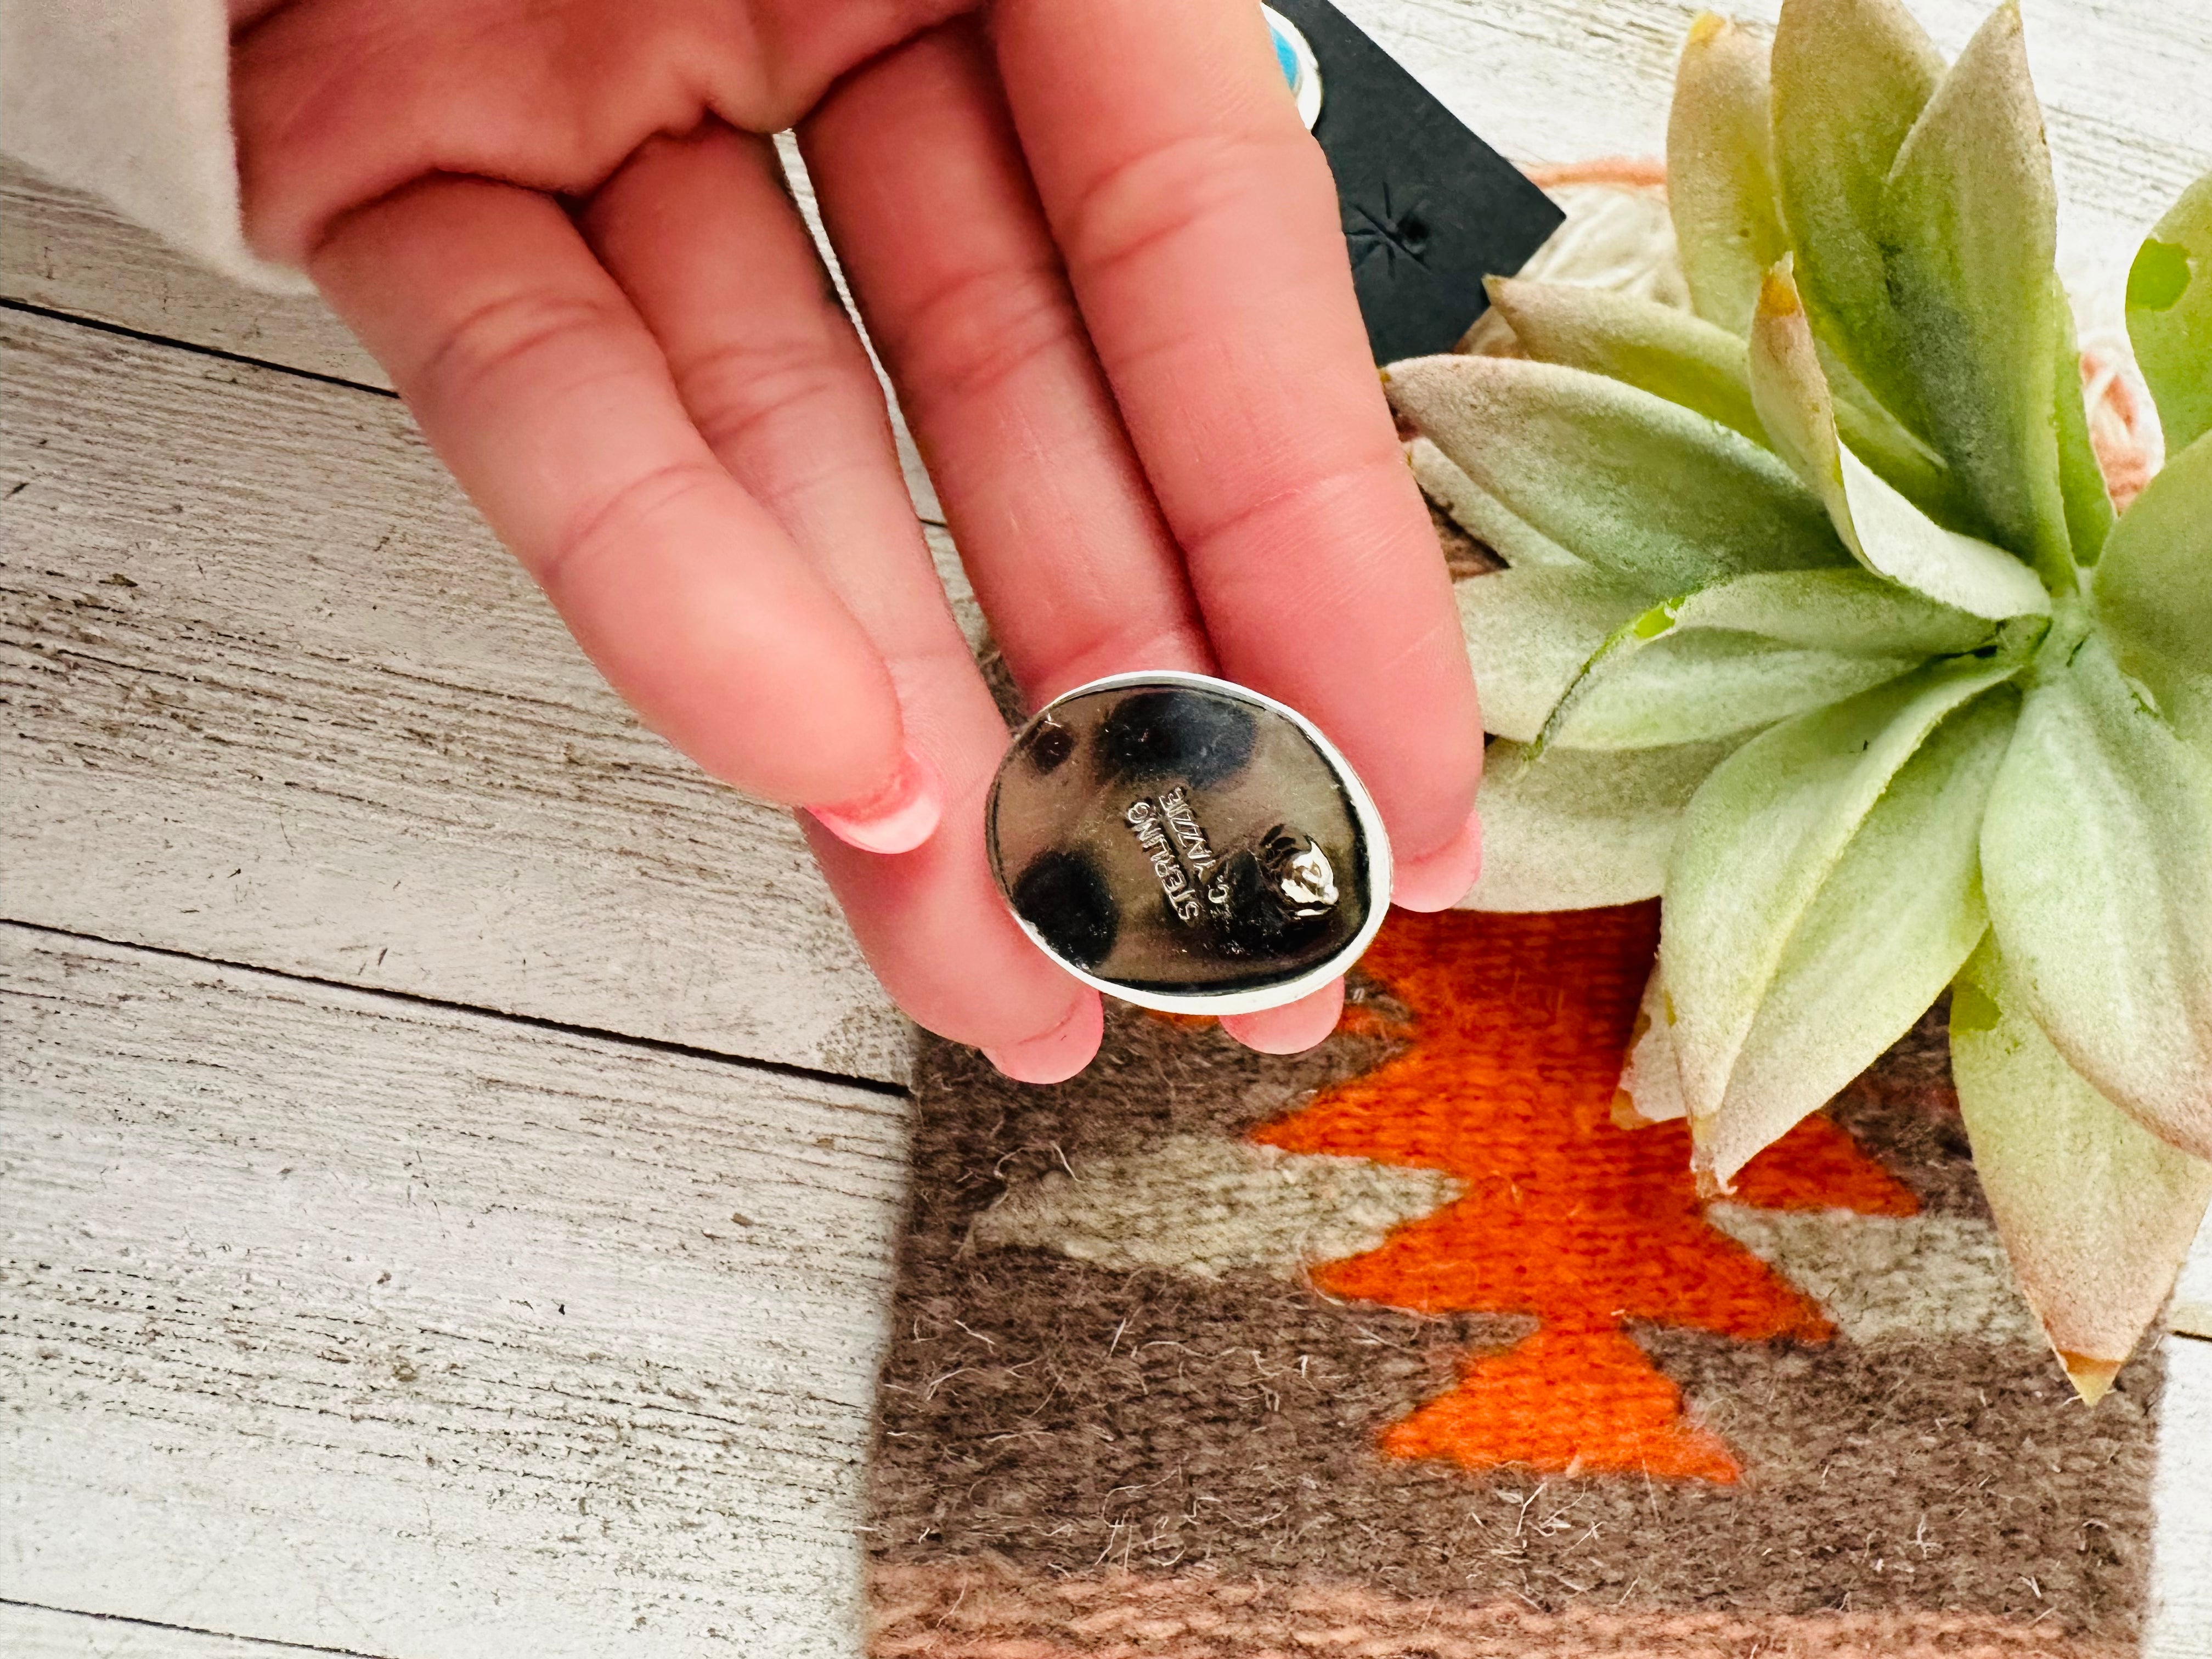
[{"x": 1429, "y": 208}]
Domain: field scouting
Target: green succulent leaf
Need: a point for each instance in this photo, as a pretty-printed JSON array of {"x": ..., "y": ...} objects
[
  {"x": 2096, "y": 1213},
  {"x": 1849, "y": 78},
  {"x": 1887, "y": 534},
  {"x": 1650, "y": 1088},
  {"x": 2154, "y": 589},
  {"x": 1968, "y": 227},
  {"x": 1662, "y": 349},
  {"x": 2170, "y": 315},
  {"x": 1581, "y": 828},
  {"x": 1720, "y": 171},
  {"x": 1895, "y": 911},
  {"x": 1884, "y": 530},
  {"x": 1763, "y": 838},
  {"x": 1481, "y": 514},
  {"x": 1671, "y": 353},
  {"x": 1576, "y": 456},
  {"x": 1851, "y": 611},
  {"x": 2097, "y": 855},
  {"x": 1529, "y": 633},
  {"x": 1650, "y": 684},
  {"x": 1777, "y": 642},
  {"x": 2088, "y": 503}
]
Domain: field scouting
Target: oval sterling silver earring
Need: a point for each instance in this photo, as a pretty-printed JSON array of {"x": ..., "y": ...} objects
[{"x": 1187, "y": 844}]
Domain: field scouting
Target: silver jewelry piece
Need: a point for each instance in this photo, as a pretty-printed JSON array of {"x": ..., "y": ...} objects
[{"x": 1187, "y": 844}]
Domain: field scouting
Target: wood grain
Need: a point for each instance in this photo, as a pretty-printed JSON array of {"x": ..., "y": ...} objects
[
  {"x": 29, "y": 1632},
  {"x": 275, "y": 696},
  {"x": 335, "y": 1319},
  {"x": 66, "y": 252}
]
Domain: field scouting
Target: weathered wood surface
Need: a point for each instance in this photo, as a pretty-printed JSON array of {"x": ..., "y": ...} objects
[
  {"x": 275, "y": 696},
  {"x": 34, "y": 1632},
  {"x": 2181, "y": 1620},
  {"x": 336, "y": 734},
  {"x": 331, "y": 1317}
]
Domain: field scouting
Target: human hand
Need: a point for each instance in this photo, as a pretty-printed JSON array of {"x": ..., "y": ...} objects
[{"x": 1100, "y": 256}]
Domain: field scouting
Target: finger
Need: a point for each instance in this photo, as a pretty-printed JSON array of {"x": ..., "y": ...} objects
[
  {"x": 702, "y": 236},
  {"x": 1293, "y": 1028},
  {"x": 336, "y": 103},
  {"x": 534, "y": 380},
  {"x": 925, "y": 194},
  {"x": 1200, "y": 232},
  {"x": 924, "y": 190}
]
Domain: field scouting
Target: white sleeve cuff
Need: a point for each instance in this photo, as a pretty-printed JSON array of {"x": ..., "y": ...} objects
[{"x": 130, "y": 99}]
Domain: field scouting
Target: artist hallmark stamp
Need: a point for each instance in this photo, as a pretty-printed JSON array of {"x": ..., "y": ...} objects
[
  {"x": 1170, "y": 837},
  {"x": 1294, "y": 872}
]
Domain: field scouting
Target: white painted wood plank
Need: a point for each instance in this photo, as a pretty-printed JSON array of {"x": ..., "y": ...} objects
[
  {"x": 2192, "y": 1297},
  {"x": 2181, "y": 1614},
  {"x": 340, "y": 1319},
  {"x": 27, "y": 1632},
  {"x": 275, "y": 696},
  {"x": 70, "y": 252}
]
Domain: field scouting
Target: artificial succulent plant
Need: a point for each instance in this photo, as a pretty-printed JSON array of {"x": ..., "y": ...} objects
[{"x": 1818, "y": 623}]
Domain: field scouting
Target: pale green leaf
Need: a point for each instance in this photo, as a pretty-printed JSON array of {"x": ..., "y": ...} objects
[
  {"x": 1650, "y": 1088},
  {"x": 1702, "y": 684},
  {"x": 1529, "y": 631},
  {"x": 1968, "y": 227},
  {"x": 2081, "y": 476},
  {"x": 2154, "y": 584},
  {"x": 1761, "y": 839},
  {"x": 1481, "y": 513},
  {"x": 1897, "y": 540},
  {"x": 2096, "y": 1213},
  {"x": 1853, "y": 611},
  {"x": 1895, "y": 914},
  {"x": 2170, "y": 315},
  {"x": 2097, "y": 855},
  {"x": 1688, "y": 684},
  {"x": 1887, "y": 533},
  {"x": 1849, "y": 77},
  {"x": 1662, "y": 349},
  {"x": 1581, "y": 829},
  {"x": 1775, "y": 643},
  {"x": 1720, "y": 176},
  {"x": 1671, "y": 353},
  {"x": 1632, "y": 483}
]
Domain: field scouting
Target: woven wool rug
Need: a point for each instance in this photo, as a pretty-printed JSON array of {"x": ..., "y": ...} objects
[{"x": 1406, "y": 1346}]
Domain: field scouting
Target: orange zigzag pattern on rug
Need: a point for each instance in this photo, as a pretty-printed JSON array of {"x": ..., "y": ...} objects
[{"x": 1520, "y": 1024}]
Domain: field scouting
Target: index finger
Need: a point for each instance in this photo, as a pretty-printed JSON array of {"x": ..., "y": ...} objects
[{"x": 1200, "y": 231}]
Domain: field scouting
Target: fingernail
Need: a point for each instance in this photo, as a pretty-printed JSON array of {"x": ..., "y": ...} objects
[
  {"x": 1057, "y": 1055},
  {"x": 896, "y": 818},
  {"x": 1293, "y": 1028},
  {"x": 1438, "y": 880}
]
